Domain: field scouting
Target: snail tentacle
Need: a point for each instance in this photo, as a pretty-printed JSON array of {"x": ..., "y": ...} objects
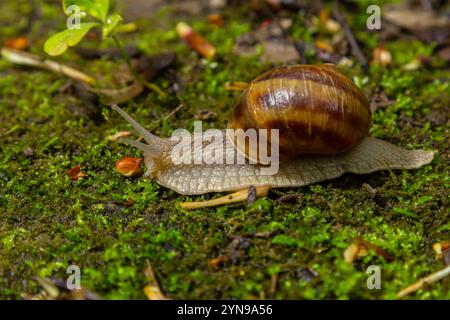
[
  {"x": 150, "y": 149},
  {"x": 149, "y": 138},
  {"x": 155, "y": 145}
]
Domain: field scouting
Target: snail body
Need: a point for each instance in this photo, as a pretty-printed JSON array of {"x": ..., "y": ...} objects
[{"x": 323, "y": 120}]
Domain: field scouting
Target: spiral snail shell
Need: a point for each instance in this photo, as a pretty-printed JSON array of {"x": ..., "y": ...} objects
[
  {"x": 323, "y": 120},
  {"x": 316, "y": 109}
]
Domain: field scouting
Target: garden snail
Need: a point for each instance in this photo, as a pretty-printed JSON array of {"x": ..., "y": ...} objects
[{"x": 323, "y": 121}]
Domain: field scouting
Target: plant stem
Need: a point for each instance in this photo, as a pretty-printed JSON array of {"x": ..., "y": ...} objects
[
  {"x": 137, "y": 76},
  {"x": 436, "y": 276}
]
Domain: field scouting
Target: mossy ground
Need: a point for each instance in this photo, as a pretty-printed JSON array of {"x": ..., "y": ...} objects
[{"x": 110, "y": 225}]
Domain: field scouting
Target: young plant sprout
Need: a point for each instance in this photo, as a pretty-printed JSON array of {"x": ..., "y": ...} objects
[{"x": 98, "y": 11}]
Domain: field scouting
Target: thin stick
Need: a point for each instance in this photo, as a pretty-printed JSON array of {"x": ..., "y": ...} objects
[
  {"x": 439, "y": 275},
  {"x": 350, "y": 37},
  {"x": 152, "y": 290},
  {"x": 28, "y": 59},
  {"x": 273, "y": 284},
  {"x": 174, "y": 111},
  {"x": 231, "y": 198}
]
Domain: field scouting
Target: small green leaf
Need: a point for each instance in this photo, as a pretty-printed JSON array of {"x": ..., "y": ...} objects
[
  {"x": 111, "y": 24},
  {"x": 103, "y": 7},
  {"x": 95, "y": 8},
  {"x": 60, "y": 42}
]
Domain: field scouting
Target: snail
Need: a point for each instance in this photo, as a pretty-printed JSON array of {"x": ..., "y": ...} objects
[{"x": 322, "y": 121}]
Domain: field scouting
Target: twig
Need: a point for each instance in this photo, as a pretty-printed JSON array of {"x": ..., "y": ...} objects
[
  {"x": 28, "y": 59},
  {"x": 231, "y": 198},
  {"x": 114, "y": 95},
  {"x": 273, "y": 284},
  {"x": 439, "y": 275},
  {"x": 350, "y": 37}
]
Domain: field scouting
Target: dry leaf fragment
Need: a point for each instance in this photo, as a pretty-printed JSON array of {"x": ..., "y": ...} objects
[
  {"x": 324, "y": 15},
  {"x": 153, "y": 293},
  {"x": 195, "y": 41},
  {"x": 28, "y": 152},
  {"x": 442, "y": 250},
  {"x": 414, "y": 20},
  {"x": 279, "y": 51},
  {"x": 18, "y": 43},
  {"x": 412, "y": 65},
  {"x": 332, "y": 26},
  {"x": 382, "y": 56},
  {"x": 369, "y": 189},
  {"x": 217, "y": 4},
  {"x": 186, "y": 7},
  {"x": 323, "y": 45},
  {"x": 120, "y": 134},
  {"x": 75, "y": 173},
  {"x": 285, "y": 23},
  {"x": 129, "y": 166},
  {"x": 353, "y": 252},
  {"x": 218, "y": 261},
  {"x": 444, "y": 53},
  {"x": 327, "y": 23},
  {"x": 360, "y": 248},
  {"x": 215, "y": 20}
]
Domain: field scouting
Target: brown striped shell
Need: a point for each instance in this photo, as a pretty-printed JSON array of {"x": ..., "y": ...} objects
[{"x": 316, "y": 108}]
